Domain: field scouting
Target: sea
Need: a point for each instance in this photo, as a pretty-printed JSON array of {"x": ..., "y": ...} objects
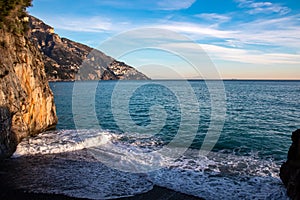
[{"x": 210, "y": 139}]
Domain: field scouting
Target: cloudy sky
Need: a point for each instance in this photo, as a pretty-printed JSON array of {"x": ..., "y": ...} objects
[{"x": 243, "y": 39}]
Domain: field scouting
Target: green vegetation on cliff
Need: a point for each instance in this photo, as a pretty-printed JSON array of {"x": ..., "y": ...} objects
[{"x": 12, "y": 15}]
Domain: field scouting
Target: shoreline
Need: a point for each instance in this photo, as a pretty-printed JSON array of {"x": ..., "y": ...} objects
[
  {"x": 246, "y": 80},
  {"x": 157, "y": 193}
]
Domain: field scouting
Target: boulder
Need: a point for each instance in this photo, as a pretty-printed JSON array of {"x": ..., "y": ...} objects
[
  {"x": 290, "y": 170},
  {"x": 8, "y": 140}
]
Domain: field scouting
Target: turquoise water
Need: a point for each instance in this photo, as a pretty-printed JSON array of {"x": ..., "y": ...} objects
[
  {"x": 153, "y": 133},
  {"x": 260, "y": 115}
]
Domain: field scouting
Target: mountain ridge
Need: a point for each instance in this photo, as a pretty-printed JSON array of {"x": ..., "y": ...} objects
[{"x": 67, "y": 60}]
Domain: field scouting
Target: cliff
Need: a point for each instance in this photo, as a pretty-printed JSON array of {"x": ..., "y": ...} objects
[
  {"x": 26, "y": 101},
  {"x": 290, "y": 170},
  {"x": 64, "y": 58}
]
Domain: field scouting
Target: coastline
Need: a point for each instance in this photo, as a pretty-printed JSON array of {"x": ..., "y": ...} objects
[{"x": 66, "y": 169}]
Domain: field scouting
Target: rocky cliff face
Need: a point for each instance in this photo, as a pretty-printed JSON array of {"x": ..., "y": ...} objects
[
  {"x": 290, "y": 170},
  {"x": 26, "y": 101},
  {"x": 68, "y": 60},
  {"x": 8, "y": 140}
]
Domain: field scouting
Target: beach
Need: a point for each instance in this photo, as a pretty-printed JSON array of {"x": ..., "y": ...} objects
[{"x": 158, "y": 193}]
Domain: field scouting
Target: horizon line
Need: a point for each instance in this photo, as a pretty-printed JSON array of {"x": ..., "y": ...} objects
[{"x": 182, "y": 80}]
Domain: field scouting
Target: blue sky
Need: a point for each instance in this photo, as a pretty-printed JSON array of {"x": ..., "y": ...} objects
[{"x": 245, "y": 39}]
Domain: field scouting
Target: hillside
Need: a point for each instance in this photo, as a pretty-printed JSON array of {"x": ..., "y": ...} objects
[{"x": 64, "y": 58}]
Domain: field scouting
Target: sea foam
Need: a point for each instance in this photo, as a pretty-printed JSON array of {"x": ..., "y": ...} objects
[{"x": 92, "y": 161}]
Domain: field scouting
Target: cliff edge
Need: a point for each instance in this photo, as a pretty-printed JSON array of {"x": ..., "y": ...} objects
[{"x": 26, "y": 101}]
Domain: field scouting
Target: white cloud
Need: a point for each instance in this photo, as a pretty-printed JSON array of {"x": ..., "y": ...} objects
[
  {"x": 249, "y": 56},
  {"x": 81, "y": 24},
  {"x": 149, "y": 4},
  {"x": 282, "y": 32},
  {"x": 175, "y": 4},
  {"x": 197, "y": 30},
  {"x": 263, "y": 7},
  {"x": 270, "y": 37},
  {"x": 222, "y": 53},
  {"x": 214, "y": 17},
  {"x": 262, "y": 41}
]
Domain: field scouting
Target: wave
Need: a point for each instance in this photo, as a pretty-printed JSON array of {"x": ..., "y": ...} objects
[{"x": 128, "y": 164}]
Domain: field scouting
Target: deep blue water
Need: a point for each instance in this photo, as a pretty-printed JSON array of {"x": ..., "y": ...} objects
[{"x": 260, "y": 115}]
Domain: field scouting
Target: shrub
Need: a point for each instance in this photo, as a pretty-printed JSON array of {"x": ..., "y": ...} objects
[{"x": 10, "y": 11}]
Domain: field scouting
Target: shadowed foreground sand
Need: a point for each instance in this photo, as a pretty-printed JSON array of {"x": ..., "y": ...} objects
[{"x": 157, "y": 193}]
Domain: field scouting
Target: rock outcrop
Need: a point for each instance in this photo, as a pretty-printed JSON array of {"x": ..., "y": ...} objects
[
  {"x": 26, "y": 101},
  {"x": 8, "y": 140},
  {"x": 65, "y": 59},
  {"x": 290, "y": 170}
]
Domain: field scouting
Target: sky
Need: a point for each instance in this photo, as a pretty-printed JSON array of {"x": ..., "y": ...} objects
[{"x": 235, "y": 39}]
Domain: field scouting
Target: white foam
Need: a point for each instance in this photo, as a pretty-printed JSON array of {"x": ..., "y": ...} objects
[
  {"x": 222, "y": 176},
  {"x": 53, "y": 142},
  {"x": 58, "y": 162},
  {"x": 216, "y": 186},
  {"x": 215, "y": 176}
]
